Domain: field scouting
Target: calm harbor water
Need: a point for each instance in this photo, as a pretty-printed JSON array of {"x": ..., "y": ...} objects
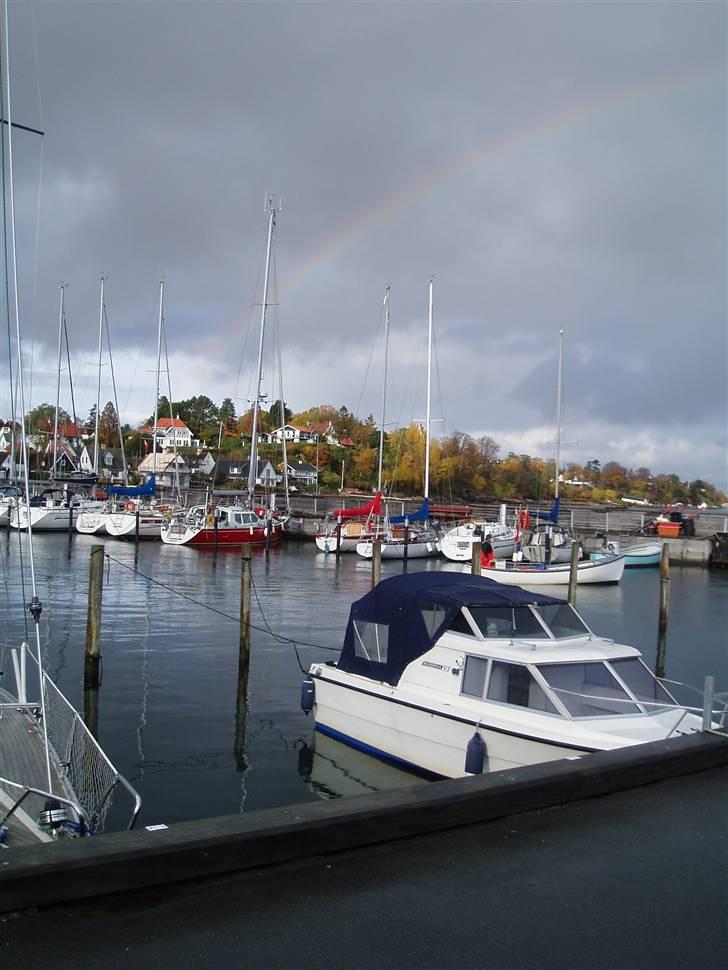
[{"x": 170, "y": 633}]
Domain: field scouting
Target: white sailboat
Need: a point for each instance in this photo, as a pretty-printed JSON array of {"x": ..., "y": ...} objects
[
  {"x": 398, "y": 542},
  {"x": 345, "y": 529},
  {"x": 457, "y": 543},
  {"x": 55, "y": 780},
  {"x": 550, "y": 543},
  {"x": 136, "y": 517}
]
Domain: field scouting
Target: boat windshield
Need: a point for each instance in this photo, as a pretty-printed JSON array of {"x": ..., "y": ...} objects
[
  {"x": 588, "y": 689},
  {"x": 562, "y": 620},
  {"x": 642, "y": 683},
  {"x": 508, "y": 622}
]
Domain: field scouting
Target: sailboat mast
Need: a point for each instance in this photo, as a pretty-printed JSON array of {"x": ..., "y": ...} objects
[
  {"x": 159, "y": 364},
  {"x": 429, "y": 376},
  {"x": 559, "y": 381},
  {"x": 35, "y": 605},
  {"x": 98, "y": 379},
  {"x": 54, "y": 468},
  {"x": 253, "y": 471},
  {"x": 384, "y": 388}
]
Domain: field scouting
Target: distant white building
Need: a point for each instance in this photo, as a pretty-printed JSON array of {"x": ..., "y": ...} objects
[
  {"x": 171, "y": 470},
  {"x": 172, "y": 433}
]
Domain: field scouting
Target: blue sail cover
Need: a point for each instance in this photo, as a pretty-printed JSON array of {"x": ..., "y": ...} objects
[
  {"x": 421, "y": 515},
  {"x": 551, "y": 516},
  {"x": 134, "y": 490},
  {"x": 396, "y": 606}
]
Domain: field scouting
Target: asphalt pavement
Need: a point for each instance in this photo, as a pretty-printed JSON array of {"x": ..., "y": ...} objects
[{"x": 635, "y": 879}]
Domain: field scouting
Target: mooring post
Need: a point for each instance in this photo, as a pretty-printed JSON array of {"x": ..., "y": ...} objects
[
  {"x": 136, "y": 526},
  {"x": 338, "y": 537},
  {"x": 269, "y": 530},
  {"x": 406, "y": 542},
  {"x": 91, "y": 710},
  {"x": 708, "y": 693},
  {"x": 664, "y": 608},
  {"x": 93, "y": 618},
  {"x": 241, "y": 705},
  {"x": 70, "y": 521},
  {"x": 573, "y": 572},
  {"x": 376, "y": 561},
  {"x": 476, "y": 566}
]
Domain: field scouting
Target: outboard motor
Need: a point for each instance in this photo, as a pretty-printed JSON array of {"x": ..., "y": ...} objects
[
  {"x": 308, "y": 695},
  {"x": 475, "y": 755}
]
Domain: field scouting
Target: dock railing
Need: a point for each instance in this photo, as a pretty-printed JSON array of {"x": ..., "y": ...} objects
[{"x": 90, "y": 777}]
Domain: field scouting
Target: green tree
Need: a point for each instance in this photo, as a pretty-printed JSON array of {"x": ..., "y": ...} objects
[{"x": 42, "y": 418}]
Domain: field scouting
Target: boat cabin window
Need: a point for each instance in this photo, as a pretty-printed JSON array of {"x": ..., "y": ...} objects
[
  {"x": 508, "y": 622},
  {"x": 588, "y": 689},
  {"x": 459, "y": 624},
  {"x": 641, "y": 682},
  {"x": 434, "y": 616},
  {"x": 371, "y": 640},
  {"x": 474, "y": 676},
  {"x": 515, "y": 684},
  {"x": 562, "y": 620}
]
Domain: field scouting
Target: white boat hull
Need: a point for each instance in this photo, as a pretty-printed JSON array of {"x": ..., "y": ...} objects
[
  {"x": 457, "y": 544},
  {"x": 421, "y": 739},
  {"x": 91, "y": 523},
  {"x": 396, "y": 550},
  {"x": 122, "y": 525},
  {"x": 55, "y": 519},
  {"x": 607, "y": 570}
]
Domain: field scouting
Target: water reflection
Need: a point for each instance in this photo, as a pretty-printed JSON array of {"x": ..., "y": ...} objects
[
  {"x": 334, "y": 770},
  {"x": 171, "y": 710}
]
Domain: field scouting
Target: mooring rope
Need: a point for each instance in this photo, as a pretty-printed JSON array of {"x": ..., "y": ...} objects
[{"x": 228, "y": 616}]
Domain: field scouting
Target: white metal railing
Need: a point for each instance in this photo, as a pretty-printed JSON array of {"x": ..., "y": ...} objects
[{"x": 90, "y": 775}]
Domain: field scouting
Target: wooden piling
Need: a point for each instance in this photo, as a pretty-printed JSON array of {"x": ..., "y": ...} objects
[
  {"x": 338, "y": 538},
  {"x": 376, "y": 561},
  {"x": 406, "y": 543},
  {"x": 664, "y": 609},
  {"x": 476, "y": 566},
  {"x": 136, "y": 526},
  {"x": 93, "y": 618},
  {"x": 573, "y": 572},
  {"x": 241, "y": 703}
]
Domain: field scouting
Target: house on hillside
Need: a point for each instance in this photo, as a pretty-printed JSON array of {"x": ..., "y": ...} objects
[
  {"x": 171, "y": 433},
  {"x": 301, "y": 472},
  {"x": 292, "y": 433},
  {"x": 171, "y": 470},
  {"x": 265, "y": 473}
]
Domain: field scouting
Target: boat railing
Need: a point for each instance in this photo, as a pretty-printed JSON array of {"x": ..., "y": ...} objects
[
  {"x": 707, "y": 711},
  {"x": 53, "y": 820},
  {"x": 88, "y": 771}
]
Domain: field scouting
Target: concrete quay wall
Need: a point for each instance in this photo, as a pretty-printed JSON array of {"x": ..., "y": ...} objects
[{"x": 128, "y": 861}]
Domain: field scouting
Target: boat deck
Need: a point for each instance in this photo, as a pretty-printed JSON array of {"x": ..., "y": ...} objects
[{"x": 22, "y": 760}]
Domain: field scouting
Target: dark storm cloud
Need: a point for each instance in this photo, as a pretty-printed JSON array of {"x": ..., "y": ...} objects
[{"x": 552, "y": 164}]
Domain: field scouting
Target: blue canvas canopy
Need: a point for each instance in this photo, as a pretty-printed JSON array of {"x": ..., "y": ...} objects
[
  {"x": 421, "y": 515},
  {"x": 134, "y": 490},
  {"x": 400, "y": 608}
]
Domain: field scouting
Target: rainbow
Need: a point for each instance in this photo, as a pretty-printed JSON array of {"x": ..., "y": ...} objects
[{"x": 589, "y": 110}]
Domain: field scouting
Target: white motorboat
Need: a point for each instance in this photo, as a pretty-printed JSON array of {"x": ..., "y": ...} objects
[
  {"x": 457, "y": 543},
  {"x": 451, "y": 674},
  {"x": 642, "y": 554},
  {"x": 606, "y": 570},
  {"x": 417, "y": 544}
]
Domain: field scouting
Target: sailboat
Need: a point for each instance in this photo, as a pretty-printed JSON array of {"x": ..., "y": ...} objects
[
  {"x": 548, "y": 542},
  {"x": 137, "y": 518},
  {"x": 398, "y": 542},
  {"x": 55, "y": 508},
  {"x": 211, "y": 525},
  {"x": 55, "y": 780},
  {"x": 346, "y": 528}
]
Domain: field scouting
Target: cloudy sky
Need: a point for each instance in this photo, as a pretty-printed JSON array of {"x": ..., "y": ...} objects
[{"x": 552, "y": 165}]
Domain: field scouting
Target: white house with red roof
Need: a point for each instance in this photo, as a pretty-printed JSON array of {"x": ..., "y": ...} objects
[{"x": 172, "y": 433}]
